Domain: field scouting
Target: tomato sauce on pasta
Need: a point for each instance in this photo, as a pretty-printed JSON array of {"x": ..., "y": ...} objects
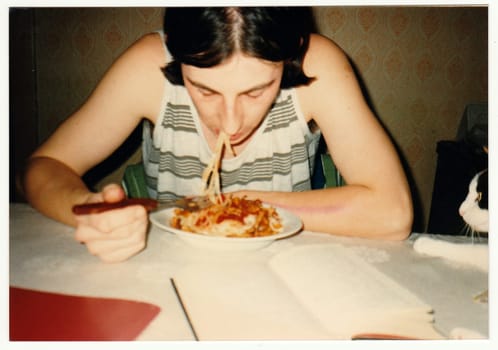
[
  {"x": 228, "y": 216},
  {"x": 234, "y": 217}
]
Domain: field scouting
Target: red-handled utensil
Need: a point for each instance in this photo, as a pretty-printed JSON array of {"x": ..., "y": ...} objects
[{"x": 186, "y": 203}]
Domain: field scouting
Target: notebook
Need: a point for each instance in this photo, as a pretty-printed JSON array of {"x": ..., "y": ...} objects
[{"x": 43, "y": 316}]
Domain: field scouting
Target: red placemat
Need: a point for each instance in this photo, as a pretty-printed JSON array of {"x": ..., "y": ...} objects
[{"x": 36, "y": 315}]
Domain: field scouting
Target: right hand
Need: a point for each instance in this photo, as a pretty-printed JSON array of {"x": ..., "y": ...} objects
[{"x": 114, "y": 235}]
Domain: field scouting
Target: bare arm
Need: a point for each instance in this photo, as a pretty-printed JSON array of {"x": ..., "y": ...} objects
[
  {"x": 52, "y": 187},
  {"x": 129, "y": 91},
  {"x": 376, "y": 201}
]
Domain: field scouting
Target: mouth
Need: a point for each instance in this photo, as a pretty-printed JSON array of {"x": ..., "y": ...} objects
[
  {"x": 237, "y": 138},
  {"x": 234, "y": 138}
]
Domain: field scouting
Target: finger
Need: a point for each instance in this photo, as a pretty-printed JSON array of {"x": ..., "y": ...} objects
[
  {"x": 121, "y": 254},
  {"x": 86, "y": 233},
  {"x": 134, "y": 240},
  {"x": 131, "y": 248},
  {"x": 109, "y": 221},
  {"x": 110, "y": 193},
  {"x": 110, "y": 250},
  {"x": 113, "y": 193}
]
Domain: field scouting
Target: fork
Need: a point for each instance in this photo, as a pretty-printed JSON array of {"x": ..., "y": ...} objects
[{"x": 187, "y": 203}]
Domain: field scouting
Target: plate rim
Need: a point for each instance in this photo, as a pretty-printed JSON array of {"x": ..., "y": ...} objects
[{"x": 297, "y": 227}]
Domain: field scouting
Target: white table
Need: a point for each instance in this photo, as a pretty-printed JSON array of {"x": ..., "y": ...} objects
[{"x": 44, "y": 256}]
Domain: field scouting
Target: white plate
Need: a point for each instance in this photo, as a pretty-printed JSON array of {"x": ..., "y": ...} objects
[{"x": 291, "y": 225}]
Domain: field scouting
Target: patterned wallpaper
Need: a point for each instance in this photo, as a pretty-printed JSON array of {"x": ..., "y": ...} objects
[
  {"x": 419, "y": 66},
  {"x": 74, "y": 48}
]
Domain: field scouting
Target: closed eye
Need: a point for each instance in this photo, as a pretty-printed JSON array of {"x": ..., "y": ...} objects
[
  {"x": 259, "y": 90},
  {"x": 205, "y": 92},
  {"x": 255, "y": 93}
]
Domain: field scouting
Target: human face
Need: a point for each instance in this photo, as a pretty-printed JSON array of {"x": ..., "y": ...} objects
[{"x": 233, "y": 96}]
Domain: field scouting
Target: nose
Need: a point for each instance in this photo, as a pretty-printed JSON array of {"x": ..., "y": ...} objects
[{"x": 231, "y": 120}]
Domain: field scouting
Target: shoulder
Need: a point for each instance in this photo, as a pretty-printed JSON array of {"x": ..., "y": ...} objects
[
  {"x": 141, "y": 61},
  {"x": 137, "y": 77},
  {"x": 324, "y": 56},
  {"x": 148, "y": 49},
  {"x": 333, "y": 76}
]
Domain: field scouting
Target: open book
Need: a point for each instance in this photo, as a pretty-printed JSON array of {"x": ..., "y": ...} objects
[{"x": 308, "y": 292}]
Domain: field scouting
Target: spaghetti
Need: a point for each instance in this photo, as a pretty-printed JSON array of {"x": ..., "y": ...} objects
[
  {"x": 228, "y": 216},
  {"x": 234, "y": 217},
  {"x": 211, "y": 175}
]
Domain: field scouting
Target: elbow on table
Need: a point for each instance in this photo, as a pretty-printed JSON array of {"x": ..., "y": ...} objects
[
  {"x": 399, "y": 235},
  {"x": 399, "y": 221}
]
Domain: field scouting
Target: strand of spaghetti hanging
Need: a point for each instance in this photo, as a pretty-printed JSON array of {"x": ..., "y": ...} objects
[{"x": 211, "y": 175}]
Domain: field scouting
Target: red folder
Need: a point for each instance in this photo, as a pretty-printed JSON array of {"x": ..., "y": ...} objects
[{"x": 36, "y": 315}]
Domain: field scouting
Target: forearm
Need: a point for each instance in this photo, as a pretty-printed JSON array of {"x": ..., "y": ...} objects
[
  {"x": 53, "y": 188},
  {"x": 348, "y": 210}
]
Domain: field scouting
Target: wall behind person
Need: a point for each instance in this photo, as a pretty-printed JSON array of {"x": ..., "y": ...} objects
[
  {"x": 419, "y": 67},
  {"x": 74, "y": 48}
]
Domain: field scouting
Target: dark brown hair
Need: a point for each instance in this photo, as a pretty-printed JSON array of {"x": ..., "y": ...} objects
[{"x": 204, "y": 37}]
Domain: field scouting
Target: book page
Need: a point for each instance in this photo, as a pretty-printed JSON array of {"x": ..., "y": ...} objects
[
  {"x": 322, "y": 291},
  {"x": 349, "y": 296},
  {"x": 243, "y": 301}
]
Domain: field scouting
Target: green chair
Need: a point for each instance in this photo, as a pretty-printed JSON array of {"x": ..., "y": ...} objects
[
  {"x": 134, "y": 182},
  {"x": 331, "y": 174}
]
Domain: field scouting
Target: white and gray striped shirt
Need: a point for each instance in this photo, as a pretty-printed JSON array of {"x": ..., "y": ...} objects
[{"x": 279, "y": 157}]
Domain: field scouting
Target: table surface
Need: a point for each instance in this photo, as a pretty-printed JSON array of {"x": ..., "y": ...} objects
[{"x": 44, "y": 256}]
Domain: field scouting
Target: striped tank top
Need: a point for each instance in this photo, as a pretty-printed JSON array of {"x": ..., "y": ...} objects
[{"x": 279, "y": 157}]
